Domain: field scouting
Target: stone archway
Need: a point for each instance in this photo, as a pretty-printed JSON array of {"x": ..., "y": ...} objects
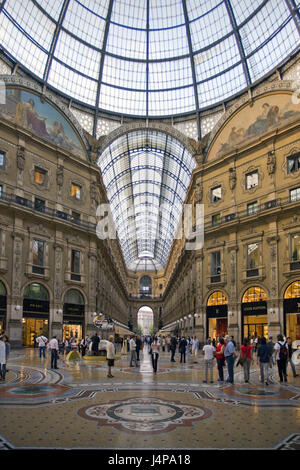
[{"x": 145, "y": 320}]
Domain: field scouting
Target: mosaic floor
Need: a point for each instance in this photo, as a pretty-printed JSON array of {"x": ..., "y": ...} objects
[{"x": 77, "y": 406}]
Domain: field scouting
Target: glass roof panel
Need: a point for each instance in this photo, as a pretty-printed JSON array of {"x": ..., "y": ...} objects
[
  {"x": 165, "y": 14},
  {"x": 41, "y": 30},
  {"x": 126, "y": 42},
  {"x": 77, "y": 56},
  {"x": 148, "y": 57},
  {"x": 166, "y": 43},
  {"x": 79, "y": 13},
  {"x": 124, "y": 73},
  {"x": 25, "y": 51},
  {"x": 70, "y": 82},
  {"x": 210, "y": 27},
  {"x": 51, "y": 7}
]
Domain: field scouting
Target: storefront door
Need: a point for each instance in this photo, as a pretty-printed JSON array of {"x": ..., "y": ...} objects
[
  {"x": 34, "y": 327},
  {"x": 71, "y": 331}
]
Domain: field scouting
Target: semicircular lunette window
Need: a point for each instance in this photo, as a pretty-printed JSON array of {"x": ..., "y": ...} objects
[
  {"x": 146, "y": 174},
  {"x": 149, "y": 57}
]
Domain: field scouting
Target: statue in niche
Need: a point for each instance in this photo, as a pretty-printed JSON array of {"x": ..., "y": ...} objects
[
  {"x": 94, "y": 194},
  {"x": 198, "y": 192},
  {"x": 60, "y": 175},
  {"x": 232, "y": 178},
  {"x": 21, "y": 158},
  {"x": 271, "y": 162}
]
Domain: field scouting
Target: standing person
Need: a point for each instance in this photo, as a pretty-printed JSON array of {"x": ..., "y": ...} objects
[
  {"x": 138, "y": 343},
  {"x": 230, "y": 356},
  {"x": 53, "y": 347},
  {"x": 83, "y": 345},
  {"x": 290, "y": 359},
  {"x": 7, "y": 349},
  {"x": 246, "y": 358},
  {"x": 168, "y": 341},
  {"x": 271, "y": 345},
  {"x": 255, "y": 343},
  {"x": 173, "y": 346},
  {"x": 110, "y": 355},
  {"x": 209, "y": 354},
  {"x": 95, "y": 344},
  {"x": 164, "y": 343},
  {"x": 132, "y": 345},
  {"x": 182, "y": 349},
  {"x": 2, "y": 357},
  {"x": 195, "y": 348},
  {"x": 220, "y": 358},
  {"x": 264, "y": 355},
  {"x": 281, "y": 352},
  {"x": 34, "y": 340},
  {"x": 155, "y": 347},
  {"x": 42, "y": 341}
]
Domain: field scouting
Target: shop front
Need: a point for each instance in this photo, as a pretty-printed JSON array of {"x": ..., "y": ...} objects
[
  {"x": 291, "y": 310},
  {"x": 216, "y": 315},
  {"x": 254, "y": 313},
  {"x": 73, "y": 315},
  {"x": 35, "y": 313},
  {"x": 3, "y": 304}
]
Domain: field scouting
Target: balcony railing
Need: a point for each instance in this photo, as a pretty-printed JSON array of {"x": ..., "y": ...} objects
[
  {"x": 240, "y": 215},
  {"x": 22, "y": 201}
]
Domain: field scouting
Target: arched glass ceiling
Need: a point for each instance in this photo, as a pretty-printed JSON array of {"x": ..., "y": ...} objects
[
  {"x": 146, "y": 174},
  {"x": 149, "y": 57}
]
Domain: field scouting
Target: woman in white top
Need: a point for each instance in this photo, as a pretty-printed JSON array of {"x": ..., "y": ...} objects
[
  {"x": 154, "y": 350},
  {"x": 110, "y": 355}
]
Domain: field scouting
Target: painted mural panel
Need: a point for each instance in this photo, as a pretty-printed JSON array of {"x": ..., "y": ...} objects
[
  {"x": 247, "y": 125},
  {"x": 27, "y": 110}
]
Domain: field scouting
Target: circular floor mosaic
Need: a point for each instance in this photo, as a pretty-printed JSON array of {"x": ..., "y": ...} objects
[{"x": 144, "y": 414}]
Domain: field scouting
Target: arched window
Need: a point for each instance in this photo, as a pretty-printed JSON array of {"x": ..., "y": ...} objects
[
  {"x": 254, "y": 294},
  {"x": 36, "y": 291},
  {"x": 145, "y": 285},
  {"x": 217, "y": 298},
  {"x": 293, "y": 290},
  {"x": 73, "y": 296},
  {"x": 2, "y": 289}
]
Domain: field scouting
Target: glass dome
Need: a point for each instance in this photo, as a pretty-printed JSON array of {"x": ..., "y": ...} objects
[{"x": 149, "y": 58}]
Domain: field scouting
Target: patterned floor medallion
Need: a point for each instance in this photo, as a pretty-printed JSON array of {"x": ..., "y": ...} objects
[
  {"x": 33, "y": 391},
  {"x": 149, "y": 415}
]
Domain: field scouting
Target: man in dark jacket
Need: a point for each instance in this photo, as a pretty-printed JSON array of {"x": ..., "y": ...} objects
[
  {"x": 182, "y": 348},
  {"x": 173, "y": 348},
  {"x": 138, "y": 343},
  {"x": 95, "y": 344}
]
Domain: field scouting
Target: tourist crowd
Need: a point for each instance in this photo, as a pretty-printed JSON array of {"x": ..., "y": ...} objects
[{"x": 221, "y": 352}]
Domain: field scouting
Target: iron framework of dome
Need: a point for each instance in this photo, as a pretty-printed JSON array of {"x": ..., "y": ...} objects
[
  {"x": 146, "y": 174},
  {"x": 149, "y": 58}
]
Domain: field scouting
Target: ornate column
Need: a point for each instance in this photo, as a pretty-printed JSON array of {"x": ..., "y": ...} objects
[
  {"x": 200, "y": 308},
  {"x": 57, "y": 314},
  {"x": 234, "y": 306},
  {"x": 16, "y": 308},
  {"x": 274, "y": 326},
  {"x": 92, "y": 289}
]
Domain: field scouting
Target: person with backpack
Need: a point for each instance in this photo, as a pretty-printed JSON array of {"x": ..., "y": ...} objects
[{"x": 281, "y": 352}]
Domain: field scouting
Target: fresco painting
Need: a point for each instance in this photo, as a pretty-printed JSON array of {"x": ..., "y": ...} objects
[
  {"x": 27, "y": 110},
  {"x": 267, "y": 113}
]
